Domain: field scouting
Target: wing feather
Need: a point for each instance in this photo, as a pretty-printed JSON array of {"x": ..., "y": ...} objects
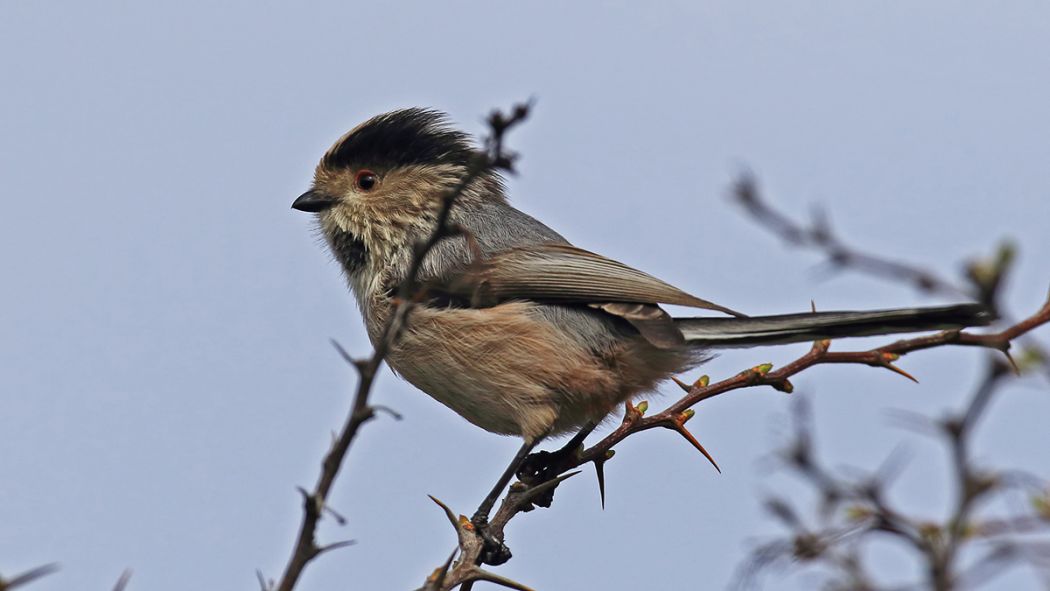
[{"x": 565, "y": 274}]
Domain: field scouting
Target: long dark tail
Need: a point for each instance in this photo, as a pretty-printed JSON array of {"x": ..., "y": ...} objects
[{"x": 796, "y": 328}]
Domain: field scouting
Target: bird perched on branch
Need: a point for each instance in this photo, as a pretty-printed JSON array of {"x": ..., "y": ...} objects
[{"x": 519, "y": 331}]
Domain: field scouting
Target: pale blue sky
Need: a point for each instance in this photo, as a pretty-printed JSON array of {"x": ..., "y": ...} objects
[{"x": 166, "y": 375}]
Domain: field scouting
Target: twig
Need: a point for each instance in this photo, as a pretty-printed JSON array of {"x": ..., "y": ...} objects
[
  {"x": 937, "y": 545},
  {"x": 675, "y": 416},
  {"x": 27, "y": 577},
  {"x": 820, "y": 236},
  {"x": 123, "y": 580}
]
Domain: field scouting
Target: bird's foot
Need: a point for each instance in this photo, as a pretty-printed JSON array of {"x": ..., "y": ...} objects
[
  {"x": 493, "y": 550},
  {"x": 544, "y": 466}
]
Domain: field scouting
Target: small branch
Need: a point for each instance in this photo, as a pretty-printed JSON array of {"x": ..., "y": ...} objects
[
  {"x": 27, "y": 577},
  {"x": 762, "y": 375},
  {"x": 819, "y": 236},
  {"x": 122, "y": 582},
  {"x": 937, "y": 545}
]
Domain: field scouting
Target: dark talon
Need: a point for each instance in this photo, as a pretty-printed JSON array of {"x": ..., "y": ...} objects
[
  {"x": 541, "y": 466},
  {"x": 494, "y": 552}
]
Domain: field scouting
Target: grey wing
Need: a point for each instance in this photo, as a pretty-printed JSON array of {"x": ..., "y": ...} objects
[
  {"x": 566, "y": 274},
  {"x": 516, "y": 257}
]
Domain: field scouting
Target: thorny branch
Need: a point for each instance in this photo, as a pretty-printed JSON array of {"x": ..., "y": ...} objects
[
  {"x": 493, "y": 156},
  {"x": 986, "y": 279},
  {"x": 853, "y": 512}
]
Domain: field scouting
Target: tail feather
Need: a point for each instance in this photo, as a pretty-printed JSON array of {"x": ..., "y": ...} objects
[{"x": 796, "y": 328}]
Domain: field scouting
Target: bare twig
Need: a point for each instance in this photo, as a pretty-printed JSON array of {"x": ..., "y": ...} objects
[
  {"x": 820, "y": 236},
  {"x": 938, "y": 545},
  {"x": 123, "y": 580},
  {"x": 27, "y": 577}
]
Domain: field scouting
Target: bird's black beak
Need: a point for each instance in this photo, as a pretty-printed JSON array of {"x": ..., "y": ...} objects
[{"x": 313, "y": 201}]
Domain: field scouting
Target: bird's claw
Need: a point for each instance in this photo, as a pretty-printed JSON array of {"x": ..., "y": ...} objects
[{"x": 493, "y": 550}]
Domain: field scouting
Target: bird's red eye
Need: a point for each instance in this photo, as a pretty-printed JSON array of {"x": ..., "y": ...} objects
[{"x": 366, "y": 180}]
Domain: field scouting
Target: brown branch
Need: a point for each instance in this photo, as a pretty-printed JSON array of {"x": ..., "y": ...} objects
[
  {"x": 306, "y": 548},
  {"x": 675, "y": 415}
]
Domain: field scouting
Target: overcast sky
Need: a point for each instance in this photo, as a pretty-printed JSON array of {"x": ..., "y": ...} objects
[{"x": 166, "y": 377}]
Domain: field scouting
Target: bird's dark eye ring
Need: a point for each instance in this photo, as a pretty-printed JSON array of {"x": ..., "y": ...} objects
[{"x": 366, "y": 180}]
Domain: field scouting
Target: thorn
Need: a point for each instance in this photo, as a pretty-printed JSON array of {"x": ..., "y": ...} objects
[
  {"x": 361, "y": 365},
  {"x": 1013, "y": 364},
  {"x": 393, "y": 413},
  {"x": 335, "y": 546},
  {"x": 436, "y": 580},
  {"x": 679, "y": 426},
  {"x": 546, "y": 486},
  {"x": 448, "y": 512},
  {"x": 813, "y": 306},
  {"x": 900, "y": 371},
  {"x": 338, "y": 518},
  {"x": 478, "y": 574},
  {"x": 342, "y": 352},
  {"x": 599, "y": 473},
  {"x": 681, "y": 384},
  {"x": 264, "y": 585}
]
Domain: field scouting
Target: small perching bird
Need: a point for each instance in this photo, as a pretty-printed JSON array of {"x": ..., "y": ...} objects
[{"x": 520, "y": 332}]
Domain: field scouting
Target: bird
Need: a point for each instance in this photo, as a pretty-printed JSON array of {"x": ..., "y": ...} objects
[{"x": 517, "y": 330}]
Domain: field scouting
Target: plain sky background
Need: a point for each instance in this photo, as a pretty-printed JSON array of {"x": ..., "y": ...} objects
[{"x": 166, "y": 378}]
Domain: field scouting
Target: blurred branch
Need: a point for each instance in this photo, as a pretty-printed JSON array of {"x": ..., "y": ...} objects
[
  {"x": 983, "y": 278},
  {"x": 123, "y": 580},
  {"x": 861, "y": 509},
  {"x": 819, "y": 236},
  {"x": 27, "y": 577},
  {"x": 492, "y": 157}
]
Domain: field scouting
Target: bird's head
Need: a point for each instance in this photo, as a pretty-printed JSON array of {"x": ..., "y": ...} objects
[{"x": 378, "y": 189}]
